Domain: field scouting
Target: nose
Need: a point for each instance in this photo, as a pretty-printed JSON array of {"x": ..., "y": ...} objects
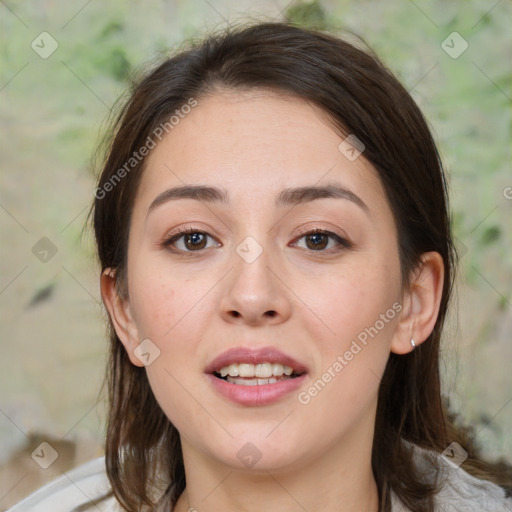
[{"x": 256, "y": 292}]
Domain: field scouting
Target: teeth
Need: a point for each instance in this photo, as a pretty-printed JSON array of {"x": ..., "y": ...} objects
[
  {"x": 261, "y": 370},
  {"x": 277, "y": 369},
  {"x": 246, "y": 370},
  {"x": 255, "y": 382},
  {"x": 232, "y": 370}
]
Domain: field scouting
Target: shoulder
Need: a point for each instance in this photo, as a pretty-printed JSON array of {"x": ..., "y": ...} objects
[
  {"x": 459, "y": 491},
  {"x": 76, "y": 487}
]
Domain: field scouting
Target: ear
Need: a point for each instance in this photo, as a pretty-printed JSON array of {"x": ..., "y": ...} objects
[
  {"x": 119, "y": 311},
  {"x": 421, "y": 304}
]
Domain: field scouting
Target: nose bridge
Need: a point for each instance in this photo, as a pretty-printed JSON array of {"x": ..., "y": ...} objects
[
  {"x": 253, "y": 265},
  {"x": 254, "y": 291},
  {"x": 253, "y": 230}
]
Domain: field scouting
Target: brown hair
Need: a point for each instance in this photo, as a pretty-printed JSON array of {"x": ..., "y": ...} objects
[{"x": 360, "y": 96}]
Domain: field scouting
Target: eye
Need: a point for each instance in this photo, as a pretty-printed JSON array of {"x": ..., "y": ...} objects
[
  {"x": 193, "y": 239},
  {"x": 318, "y": 239}
]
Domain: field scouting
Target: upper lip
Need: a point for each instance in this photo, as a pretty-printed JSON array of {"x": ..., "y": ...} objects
[{"x": 254, "y": 356}]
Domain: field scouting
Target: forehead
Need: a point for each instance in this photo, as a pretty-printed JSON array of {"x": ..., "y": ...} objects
[{"x": 254, "y": 143}]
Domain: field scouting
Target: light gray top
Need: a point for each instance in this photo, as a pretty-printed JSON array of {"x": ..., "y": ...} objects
[{"x": 460, "y": 491}]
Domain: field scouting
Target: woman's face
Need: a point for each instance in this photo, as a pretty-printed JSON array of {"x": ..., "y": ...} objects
[{"x": 250, "y": 287}]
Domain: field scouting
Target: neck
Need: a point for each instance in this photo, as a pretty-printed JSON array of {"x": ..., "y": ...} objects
[{"x": 339, "y": 480}]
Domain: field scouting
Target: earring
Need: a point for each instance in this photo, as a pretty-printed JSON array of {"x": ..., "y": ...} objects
[{"x": 413, "y": 344}]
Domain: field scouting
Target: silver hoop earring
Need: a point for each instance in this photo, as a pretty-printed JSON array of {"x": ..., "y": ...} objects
[{"x": 413, "y": 344}]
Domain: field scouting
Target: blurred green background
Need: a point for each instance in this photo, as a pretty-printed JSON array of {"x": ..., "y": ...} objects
[{"x": 54, "y": 107}]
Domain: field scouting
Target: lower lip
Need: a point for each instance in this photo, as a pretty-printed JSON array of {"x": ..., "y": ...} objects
[{"x": 261, "y": 394}]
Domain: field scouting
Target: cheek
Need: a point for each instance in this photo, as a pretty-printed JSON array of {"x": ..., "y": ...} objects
[
  {"x": 171, "y": 310},
  {"x": 361, "y": 313},
  {"x": 167, "y": 316},
  {"x": 161, "y": 301},
  {"x": 352, "y": 302},
  {"x": 155, "y": 307}
]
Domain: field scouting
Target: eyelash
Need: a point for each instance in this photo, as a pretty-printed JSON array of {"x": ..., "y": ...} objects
[{"x": 342, "y": 242}]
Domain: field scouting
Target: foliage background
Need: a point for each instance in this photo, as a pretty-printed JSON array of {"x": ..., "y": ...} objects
[{"x": 53, "y": 113}]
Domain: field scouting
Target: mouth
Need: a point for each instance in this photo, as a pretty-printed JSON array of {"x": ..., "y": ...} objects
[
  {"x": 255, "y": 367},
  {"x": 254, "y": 377},
  {"x": 249, "y": 374}
]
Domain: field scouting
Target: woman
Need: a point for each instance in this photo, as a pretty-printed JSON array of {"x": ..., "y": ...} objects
[{"x": 272, "y": 225}]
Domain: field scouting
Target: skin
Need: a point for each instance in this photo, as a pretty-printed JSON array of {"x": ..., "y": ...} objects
[{"x": 314, "y": 456}]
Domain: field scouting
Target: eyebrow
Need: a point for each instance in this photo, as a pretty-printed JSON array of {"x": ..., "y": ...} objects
[{"x": 287, "y": 196}]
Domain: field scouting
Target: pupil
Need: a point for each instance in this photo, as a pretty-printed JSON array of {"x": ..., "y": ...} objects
[
  {"x": 314, "y": 237},
  {"x": 192, "y": 236}
]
